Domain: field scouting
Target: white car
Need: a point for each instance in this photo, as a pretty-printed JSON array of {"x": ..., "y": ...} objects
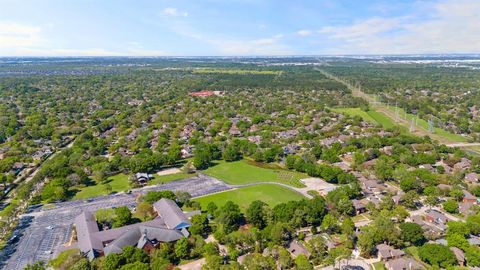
[
  {"x": 48, "y": 252},
  {"x": 49, "y": 227}
]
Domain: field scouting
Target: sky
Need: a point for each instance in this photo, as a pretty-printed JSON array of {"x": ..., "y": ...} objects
[{"x": 237, "y": 27}]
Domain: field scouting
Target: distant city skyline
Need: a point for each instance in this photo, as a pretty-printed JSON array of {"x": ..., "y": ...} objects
[{"x": 237, "y": 27}]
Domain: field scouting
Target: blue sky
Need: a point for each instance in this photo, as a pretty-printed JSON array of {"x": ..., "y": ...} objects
[{"x": 237, "y": 27}]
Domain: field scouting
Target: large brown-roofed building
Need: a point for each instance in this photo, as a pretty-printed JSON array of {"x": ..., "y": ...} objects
[{"x": 170, "y": 225}]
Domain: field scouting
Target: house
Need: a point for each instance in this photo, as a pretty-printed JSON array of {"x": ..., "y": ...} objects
[
  {"x": 474, "y": 241},
  {"x": 404, "y": 263},
  {"x": 142, "y": 178},
  {"x": 463, "y": 164},
  {"x": 202, "y": 94},
  {"x": 359, "y": 206},
  {"x": 426, "y": 167},
  {"x": 436, "y": 217},
  {"x": 459, "y": 255},
  {"x": 170, "y": 225},
  {"x": 468, "y": 197},
  {"x": 234, "y": 131},
  {"x": 296, "y": 248},
  {"x": 471, "y": 177},
  {"x": 464, "y": 208},
  {"x": 17, "y": 167},
  {"x": 257, "y": 139},
  {"x": 386, "y": 252}
]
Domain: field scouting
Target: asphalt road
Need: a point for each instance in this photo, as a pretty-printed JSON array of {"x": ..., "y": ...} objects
[{"x": 43, "y": 237}]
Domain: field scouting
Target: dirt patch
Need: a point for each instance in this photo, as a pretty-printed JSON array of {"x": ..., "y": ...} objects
[{"x": 169, "y": 171}]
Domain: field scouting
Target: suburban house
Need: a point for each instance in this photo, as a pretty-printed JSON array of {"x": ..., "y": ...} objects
[
  {"x": 436, "y": 217},
  {"x": 403, "y": 263},
  {"x": 468, "y": 197},
  {"x": 471, "y": 177},
  {"x": 359, "y": 206},
  {"x": 459, "y": 255},
  {"x": 202, "y": 94},
  {"x": 142, "y": 178},
  {"x": 170, "y": 225},
  {"x": 386, "y": 252}
]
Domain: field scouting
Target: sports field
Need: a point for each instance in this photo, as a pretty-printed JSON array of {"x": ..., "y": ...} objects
[
  {"x": 244, "y": 172},
  {"x": 269, "y": 193}
]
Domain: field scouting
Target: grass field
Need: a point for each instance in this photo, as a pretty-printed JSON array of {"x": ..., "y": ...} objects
[
  {"x": 382, "y": 119},
  {"x": 269, "y": 193},
  {"x": 371, "y": 116},
  {"x": 356, "y": 112},
  {"x": 237, "y": 71},
  {"x": 245, "y": 172},
  {"x": 422, "y": 124},
  {"x": 160, "y": 179},
  {"x": 118, "y": 183}
]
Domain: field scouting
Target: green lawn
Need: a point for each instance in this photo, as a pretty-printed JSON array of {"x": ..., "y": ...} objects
[
  {"x": 356, "y": 112},
  {"x": 379, "y": 266},
  {"x": 245, "y": 171},
  {"x": 424, "y": 125},
  {"x": 382, "y": 119},
  {"x": 371, "y": 116},
  {"x": 269, "y": 193},
  {"x": 118, "y": 183},
  {"x": 160, "y": 179}
]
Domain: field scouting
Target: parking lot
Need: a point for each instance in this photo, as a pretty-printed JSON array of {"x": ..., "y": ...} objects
[{"x": 43, "y": 236}]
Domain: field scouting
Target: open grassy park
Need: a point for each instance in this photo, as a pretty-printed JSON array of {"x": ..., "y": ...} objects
[
  {"x": 117, "y": 183},
  {"x": 245, "y": 171},
  {"x": 269, "y": 193}
]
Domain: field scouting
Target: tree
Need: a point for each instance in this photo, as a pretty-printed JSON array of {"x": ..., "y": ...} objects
[
  {"x": 457, "y": 240},
  {"x": 450, "y": 206},
  {"x": 437, "y": 255},
  {"x": 144, "y": 211},
  {"x": 408, "y": 199},
  {"x": 472, "y": 255},
  {"x": 231, "y": 153},
  {"x": 123, "y": 217},
  {"x": 136, "y": 266},
  {"x": 256, "y": 261},
  {"x": 456, "y": 194},
  {"x": 255, "y": 214},
  {"x": 212, "y": 262},
  {"x": 82, "y": 264},
  {"x": 280, "y": 233},
  {"x": 412, "y": 233},
  {"x": 348, "y": 226},
  {"x": 182, "y": 248},
  {"x": 302, "y": 263},
  {"x": 329, "y": 223},
  {"x": 318, "y": 249},
  {"x": 132, "y": 254},
  {"x": 229, "y": 216},
  {"x": 200, "y": 225},
  {"x": 211, "y": 208},
  {"x": 36, "y": 266},
  {"x": 113, "y": 261}
]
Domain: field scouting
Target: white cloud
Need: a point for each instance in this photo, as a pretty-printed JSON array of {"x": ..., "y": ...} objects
[
  {"x": 14, "y": 35},
  {"x": 170, "y": 11},
  {"x": 262, "y": 46},
  {"x": 304, "y": 33},
  {"x": 451, "y": 27}
]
